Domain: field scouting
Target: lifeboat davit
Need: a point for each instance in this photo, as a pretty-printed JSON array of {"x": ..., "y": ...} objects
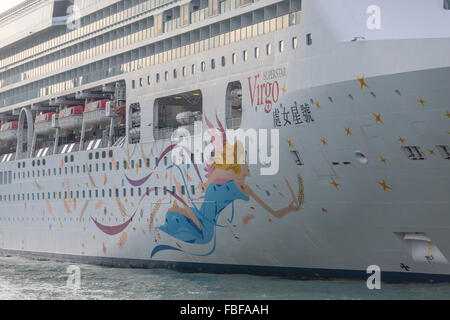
[
  {"x": 43, "y": 124},
  {"x": 95, "y": 113},
  {"x": 8, "y": 131},
  {"x": 71, "y": 118}
]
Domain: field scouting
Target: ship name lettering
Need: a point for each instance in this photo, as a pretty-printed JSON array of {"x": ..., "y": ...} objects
[{"x": 266, "y": 93}]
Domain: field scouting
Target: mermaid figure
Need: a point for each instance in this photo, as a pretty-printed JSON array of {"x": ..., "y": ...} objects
[{"x": 225, "y": 184}]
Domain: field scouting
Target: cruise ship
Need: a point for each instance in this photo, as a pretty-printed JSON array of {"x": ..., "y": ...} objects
[{"x": 346, "y": 102}]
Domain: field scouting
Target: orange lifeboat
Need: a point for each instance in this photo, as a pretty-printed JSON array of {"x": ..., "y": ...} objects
[
  {"x": 71, "y": 118},
  {"x": 8, "y": 131},
  {"x": 95, "y": 113},
  {"x": 43, "y": 123}
]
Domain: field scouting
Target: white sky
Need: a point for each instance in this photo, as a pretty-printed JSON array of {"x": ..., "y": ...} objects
[{"x": 7, "y": 4}]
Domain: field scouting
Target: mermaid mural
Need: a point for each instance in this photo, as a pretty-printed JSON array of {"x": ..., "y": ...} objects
[{"x": 226, "y": 183}]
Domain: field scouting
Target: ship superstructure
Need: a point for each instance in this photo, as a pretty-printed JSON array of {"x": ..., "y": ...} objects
[{"x": 93, "y": 92}]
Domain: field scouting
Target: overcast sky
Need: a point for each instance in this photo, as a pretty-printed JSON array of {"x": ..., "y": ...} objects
[{"x": 7, "y": 4}]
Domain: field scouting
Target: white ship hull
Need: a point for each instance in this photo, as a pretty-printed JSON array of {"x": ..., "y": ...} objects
[{"x": 362, "y": 199}]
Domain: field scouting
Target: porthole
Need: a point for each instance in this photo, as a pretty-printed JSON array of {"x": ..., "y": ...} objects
[
  {"x": 233, "y": 58},
  {"x": 294, "y": 43},
  {"x": 245, "y": 55}
]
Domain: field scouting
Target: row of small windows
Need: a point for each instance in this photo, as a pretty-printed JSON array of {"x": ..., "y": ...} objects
[
  {"x": 8, "y": 177},
  {"x": 67, "y": 159},
  {"x": 95, "y": 194},
  {"x": 146, "y": 56},
  {"x": 281, "y": 49},
  {"x": 132, "y": 164}
]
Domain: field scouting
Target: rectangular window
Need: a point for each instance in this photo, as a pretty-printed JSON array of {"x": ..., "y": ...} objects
[
  {"x": 309, "y": 39},
  {"x": 281, "y": 46},
  {"x": 256, "y": 53}
]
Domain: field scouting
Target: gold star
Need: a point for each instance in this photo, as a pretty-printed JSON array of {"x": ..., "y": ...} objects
[
  {"x": 384, "y": 185},
  {"x": 402, "y": 140},
  {"x": 362, "y": 82},
  {"x": 324, "y": 141},
  {"x": 335, "y": 184},
  {"x": 347, "y": 130},
  {"x": 384, "y": 160},
  {"x": 290, "y": 143},
  {"x": 448, "y": 114},
  {"x": 377, "y": 117},
  {"x": 431, "y": 152},
  {"x": 284, "y": 90},
  {"x": 318, "y": 106},
  {"x": 422, "y": 102}
]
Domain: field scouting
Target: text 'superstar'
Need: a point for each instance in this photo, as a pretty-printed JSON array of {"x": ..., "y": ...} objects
[
  {"x": 384, "y": 185},
  {"x": 335, "y": 184},
  {"x": 362, "y": 81}
]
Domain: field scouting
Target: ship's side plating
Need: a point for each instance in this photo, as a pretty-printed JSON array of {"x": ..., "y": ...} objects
[{"x": 363, "y": 146}]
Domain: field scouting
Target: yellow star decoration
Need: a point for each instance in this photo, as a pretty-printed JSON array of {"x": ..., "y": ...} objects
[
  {"x": 348, "y": 131},
  {"x": 362, "y": 81},
  {"x": 402, "y": 140},
  {"x": 421, "y": 101},
  {"x": 384, "y": 185},
  {"x": 335, "y": 184},
  {"x": 284, "y": 90},
  {"x": 448, "y": 114},
  {"x": 377, "y": 117},
  {"x": 324, "y": 141},
  {"x": 290, "y": 143},
  {"x": 384, "y": 160},
  {"x": 431, "y": 152},
  {"x": 318, "y": 106}
]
